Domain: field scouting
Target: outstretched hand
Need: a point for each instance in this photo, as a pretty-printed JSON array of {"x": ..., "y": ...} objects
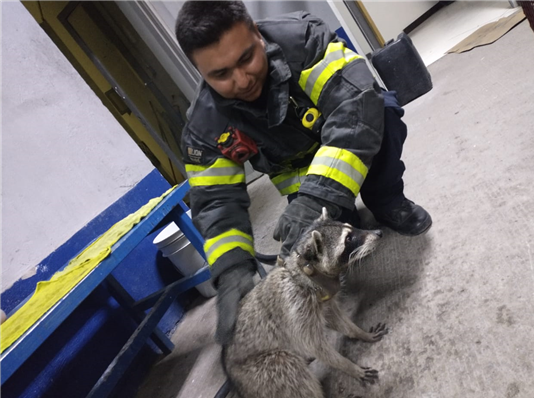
[
  {"x": 233, "y": 285},
  {"x": 297, "y": 216}
]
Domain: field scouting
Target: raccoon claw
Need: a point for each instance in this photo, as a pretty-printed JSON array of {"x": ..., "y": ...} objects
[
  {"x": 370, "y": 376},
  {"x": 378, "y": 331},
  {"x": 379, "y": 328}
]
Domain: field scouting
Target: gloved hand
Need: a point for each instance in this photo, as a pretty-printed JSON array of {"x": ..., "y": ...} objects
[
  {"x": 232, "y": 285},
  {"x": 297, "y": 216}
]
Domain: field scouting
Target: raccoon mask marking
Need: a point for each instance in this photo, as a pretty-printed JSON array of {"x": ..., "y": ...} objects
[{"x": 326, "y": 250}]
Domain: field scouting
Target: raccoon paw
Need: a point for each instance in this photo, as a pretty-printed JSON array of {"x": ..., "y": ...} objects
[
  {"x": 369, "y": 376},
  {"x": 377, "y": 332}
]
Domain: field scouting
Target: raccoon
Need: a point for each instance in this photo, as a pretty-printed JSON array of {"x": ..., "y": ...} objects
[{"x": 281, "y": 322}]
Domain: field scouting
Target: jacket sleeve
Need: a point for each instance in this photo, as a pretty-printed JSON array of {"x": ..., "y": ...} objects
[
  {"x": 340, "y": 84},
  {"x": 219, "y": 201}
]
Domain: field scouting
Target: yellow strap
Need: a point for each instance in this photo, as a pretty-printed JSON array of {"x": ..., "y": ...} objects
[
  {"x": 217, "y": 246},
  {"x": 336, "y": 57},
  {"x": 222, "y": 172}
]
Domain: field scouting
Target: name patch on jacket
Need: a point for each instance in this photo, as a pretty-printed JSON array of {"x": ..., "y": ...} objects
[{"x": 195, "y": 155}]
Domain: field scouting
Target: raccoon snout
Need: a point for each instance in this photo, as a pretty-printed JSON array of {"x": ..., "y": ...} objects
[{"x": 372, "y": 237}]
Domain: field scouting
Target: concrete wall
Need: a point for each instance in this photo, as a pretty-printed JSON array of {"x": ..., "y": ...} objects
[
  {"x": 392, "y": 17},
  {"x": 168, "y": 10},
  {"x": 64, "y": 156}
]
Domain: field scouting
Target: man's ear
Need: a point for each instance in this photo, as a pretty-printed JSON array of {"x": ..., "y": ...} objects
[
  {"x": 192, "y": 59},
  {"x": 256, "y": 31}
]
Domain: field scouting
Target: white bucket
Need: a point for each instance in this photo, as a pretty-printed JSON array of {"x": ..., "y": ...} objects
[{"x": 177, "y": 248}]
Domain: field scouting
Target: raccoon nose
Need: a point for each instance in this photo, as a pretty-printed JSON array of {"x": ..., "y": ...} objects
[{"x": 378, "y": 233}]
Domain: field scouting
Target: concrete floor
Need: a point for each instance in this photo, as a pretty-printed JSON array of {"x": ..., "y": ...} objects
[{"x": 459, "y": 301}]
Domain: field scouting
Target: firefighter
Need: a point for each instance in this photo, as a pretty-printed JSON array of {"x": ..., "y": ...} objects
[{"x": 287, "y": 95}]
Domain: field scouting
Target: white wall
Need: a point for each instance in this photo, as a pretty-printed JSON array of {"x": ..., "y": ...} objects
[
  {"x": 64, "y": 156},
  {"x": 168, "y": 10},
  {"x": 392, "y": 17}
]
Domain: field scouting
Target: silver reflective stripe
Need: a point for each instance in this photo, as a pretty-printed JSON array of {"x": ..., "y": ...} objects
[
  {"x": 290, "y": 181},
  {"x": 226, "y": 240},
  {"x": 320, "y": 68},
  {"x": 338, "y": 164},
  {"x": 216, "y": 172}
]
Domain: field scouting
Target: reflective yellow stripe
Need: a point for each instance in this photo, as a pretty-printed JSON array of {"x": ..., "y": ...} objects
[
  {"x": 312, "y": 80},
  {"x": 340, "y": 165},
  {"x": 291, "y": 188},
  {"x": 223, "y": 243},
  {"x": 223, "y": 171},
  {"x": 288, "y": 183}
]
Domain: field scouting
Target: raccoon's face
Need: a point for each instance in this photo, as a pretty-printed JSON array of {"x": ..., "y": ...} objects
[{"x": 331, "y": 246}]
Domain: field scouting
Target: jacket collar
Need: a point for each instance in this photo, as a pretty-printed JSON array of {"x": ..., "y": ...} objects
[{"x": 277, "y": 85}]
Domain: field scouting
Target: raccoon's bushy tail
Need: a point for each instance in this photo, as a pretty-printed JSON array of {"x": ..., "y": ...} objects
[{"x": 227, "y": 386}]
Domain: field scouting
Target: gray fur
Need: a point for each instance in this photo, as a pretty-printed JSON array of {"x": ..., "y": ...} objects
[{"x": 281, "y": 322}]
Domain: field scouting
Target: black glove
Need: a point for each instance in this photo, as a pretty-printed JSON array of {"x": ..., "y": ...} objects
[
  {"x": 299, "y": 215},
  {"x": 232, "y": 285}
]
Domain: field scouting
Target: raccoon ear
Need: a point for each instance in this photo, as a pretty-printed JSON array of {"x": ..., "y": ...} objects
[
  {"x": 324, "y": 215},
  {"x": 317, "y": 242}
]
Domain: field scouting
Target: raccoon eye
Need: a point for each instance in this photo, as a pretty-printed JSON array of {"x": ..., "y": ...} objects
[{"x": 349, "y": 238}]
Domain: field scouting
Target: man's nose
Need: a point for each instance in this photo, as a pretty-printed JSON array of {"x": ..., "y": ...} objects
[{"x": 241, "y": 78}]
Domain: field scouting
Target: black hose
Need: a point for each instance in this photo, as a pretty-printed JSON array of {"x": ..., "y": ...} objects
[
  {"x": 267, "y": 258},
  {"x": 261, "y": 270},
  {"x": 224, "y": 390}
]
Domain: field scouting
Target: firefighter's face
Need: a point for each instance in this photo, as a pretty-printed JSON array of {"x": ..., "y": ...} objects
[{"x": 236, "y": 66}]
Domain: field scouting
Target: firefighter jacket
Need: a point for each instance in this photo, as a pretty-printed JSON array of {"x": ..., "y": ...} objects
[{"x": 309, "y": 67}]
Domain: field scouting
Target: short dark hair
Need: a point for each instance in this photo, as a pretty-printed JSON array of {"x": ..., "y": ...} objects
[{"x": 202, "y": 23}]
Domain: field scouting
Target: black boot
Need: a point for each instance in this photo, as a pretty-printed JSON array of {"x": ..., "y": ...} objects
[{"x": 406, "y": 219}]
